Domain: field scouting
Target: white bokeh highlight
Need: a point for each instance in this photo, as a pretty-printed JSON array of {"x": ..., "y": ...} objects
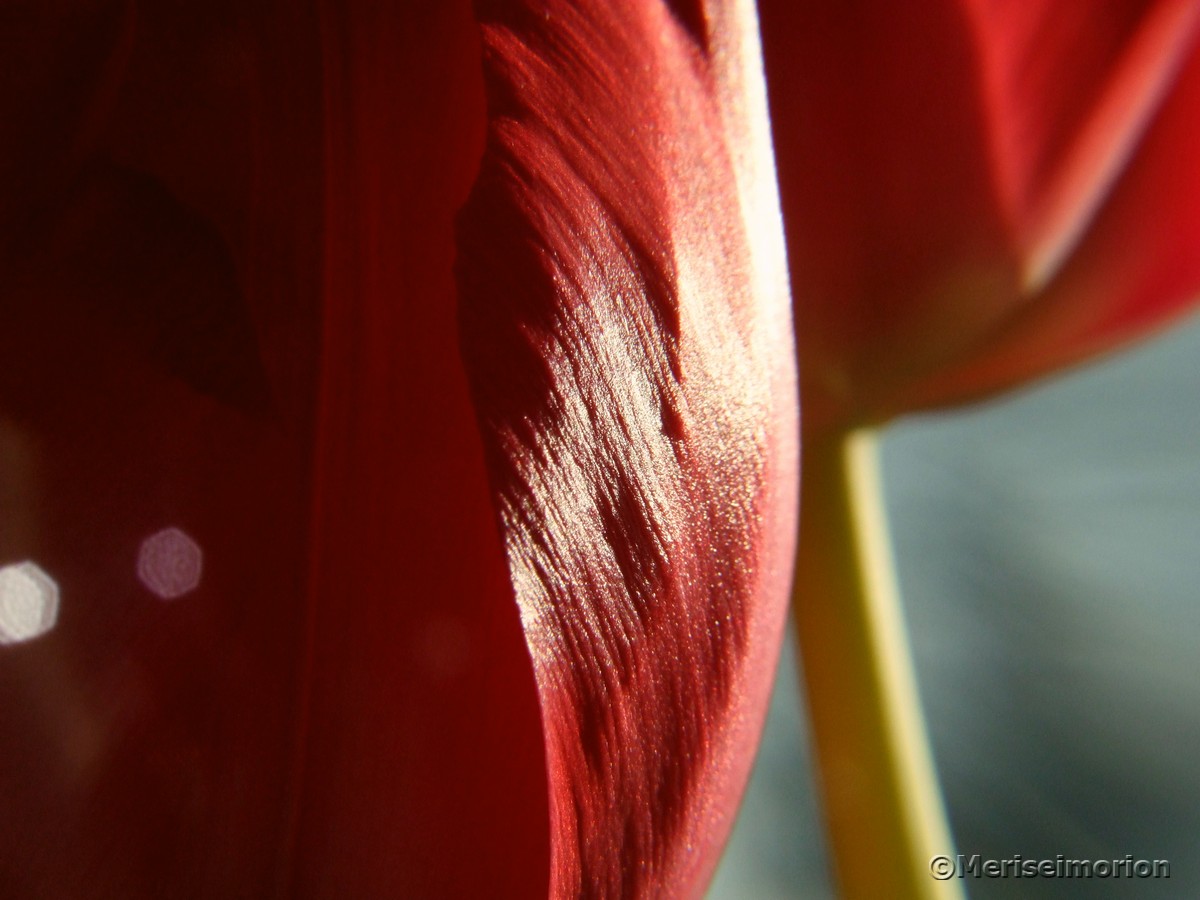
[
  {"x": 170, "y": 564},
  {"x": 28, "y": 602}
]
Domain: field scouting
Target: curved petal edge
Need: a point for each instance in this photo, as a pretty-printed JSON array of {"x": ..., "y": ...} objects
[{"x": 625, "y": 326}]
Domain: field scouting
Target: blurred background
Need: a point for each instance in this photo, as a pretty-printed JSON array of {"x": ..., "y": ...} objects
[{"x": 1048, "y": 548}]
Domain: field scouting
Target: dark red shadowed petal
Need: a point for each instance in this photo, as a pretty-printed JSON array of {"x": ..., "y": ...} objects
[
  {"x": 156, "y": 383},
  {"x": 64, "y": 63},
  {"x": 625, "y": 327},
  {"x": 226, "y": 210},
  {"x": 424, "y": 773}
]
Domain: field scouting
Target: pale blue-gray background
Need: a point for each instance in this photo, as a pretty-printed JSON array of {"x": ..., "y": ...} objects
[{"x": 1048, "y": 548}]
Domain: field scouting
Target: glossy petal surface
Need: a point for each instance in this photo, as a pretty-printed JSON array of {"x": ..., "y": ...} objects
[
  {"x": 625, "y": 326},
  {"x": 259, "y": 634}
]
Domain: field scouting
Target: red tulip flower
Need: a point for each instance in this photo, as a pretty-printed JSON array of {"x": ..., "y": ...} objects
[
  {"x": 355, "y": 543},
  {"x": 976, "y": 193}
]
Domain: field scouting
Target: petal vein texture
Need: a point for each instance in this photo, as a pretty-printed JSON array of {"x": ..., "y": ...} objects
[{"x": 625, "y": 325}]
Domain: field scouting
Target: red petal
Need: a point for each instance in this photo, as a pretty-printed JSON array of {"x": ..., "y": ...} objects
[
  {"x": 160, "y": 371},
  {"x": 160, "y": 381},
  {"x": 1069, "y": 88},
  {"x": 1137, "y": 268},
  {"x": 625, "y": 326},
  {"x": 897, "y": 241},
  {"x": 970, "y": 193},
  {"x": 63, "y": 65},
  {"x": 155, "y": 403},
  {"x": 424, "y": 769}
]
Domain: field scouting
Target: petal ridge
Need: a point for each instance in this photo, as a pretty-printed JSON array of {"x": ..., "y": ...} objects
[{"x": 638, "y": 416}]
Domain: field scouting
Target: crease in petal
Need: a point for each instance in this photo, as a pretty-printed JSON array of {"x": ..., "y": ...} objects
[
  {"x": 1137, "y": 268},
  {"x": 420, "y": 767},
  {"x": 631, "y": 366},
  {"x": 1069, "y": 90}
]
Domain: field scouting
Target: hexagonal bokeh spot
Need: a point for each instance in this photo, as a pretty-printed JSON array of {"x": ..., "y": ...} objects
[
  {"x": 170, "y": 563},
  {"x": 28, "y": 602}
]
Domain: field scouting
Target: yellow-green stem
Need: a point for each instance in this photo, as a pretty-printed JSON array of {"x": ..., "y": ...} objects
[{"x": 883, "y": 807}]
